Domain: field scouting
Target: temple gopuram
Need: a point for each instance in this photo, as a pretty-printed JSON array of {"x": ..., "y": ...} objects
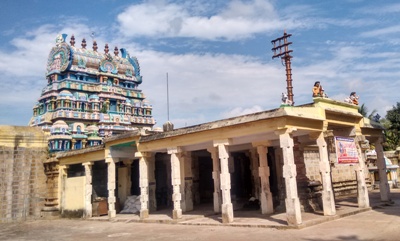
[{"x": 89, "y": 95}]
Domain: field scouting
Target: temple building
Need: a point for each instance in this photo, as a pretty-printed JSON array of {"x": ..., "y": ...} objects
[
  {"x": 89, "y": 95},
  {"x": 103, "y": 150},
  {"x": 293, "y": 159}
]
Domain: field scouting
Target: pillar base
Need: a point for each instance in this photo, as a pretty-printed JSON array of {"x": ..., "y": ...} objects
[
  {"x": 266, "y": 204},
  {"x": 293, "y": 212},
  {"x": 112, "y": 213},
  {"x": 177, "y": 214},
  {"x": 227, "y": 213},
  {"x": 217, "y": 202},
  {"x": 144, "y": 214}
]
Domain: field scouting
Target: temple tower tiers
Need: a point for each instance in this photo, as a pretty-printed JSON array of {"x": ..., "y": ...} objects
[{"x": 89, "y": 95}]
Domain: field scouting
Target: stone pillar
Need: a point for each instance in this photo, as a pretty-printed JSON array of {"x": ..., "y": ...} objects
[
  {"x": 62, "y": 177},
  {"x": 381, "y": 164},
  {"x": 328, "y": 201},
  {"x": 254, "y": 164},
  {"x": 293, "y": 211},
  {"x": 231, "y": 169},
  {"x": 267, "y": 206},
  {"x": 362, "y": 190},
  {"x": 111, "y": 186},
  {"x": 88, "y": 189},
  {"x": 217, "y": 198},
  {"x": 143, "y": 183},
  {"x": 176, "y": 182},
  {"x": 187, "y": 181},
  {"x": 225, "y": 178}
]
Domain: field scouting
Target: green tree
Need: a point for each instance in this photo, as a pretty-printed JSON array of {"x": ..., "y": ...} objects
[
  {"x": 392, "y": 132},
  {"x": 363, "y": 110}
]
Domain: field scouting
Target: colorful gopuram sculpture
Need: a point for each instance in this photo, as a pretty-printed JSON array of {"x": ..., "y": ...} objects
[{"x": 89, "y": 95}]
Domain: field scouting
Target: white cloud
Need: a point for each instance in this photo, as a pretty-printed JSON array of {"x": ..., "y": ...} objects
[
  {"x": 382, "y": 32},
  {"x": 239, "y": 20},
  {"x": 238, "y": 111}
]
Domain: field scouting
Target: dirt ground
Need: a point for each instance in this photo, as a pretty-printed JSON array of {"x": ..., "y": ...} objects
[{"x": 381, "y": 223}]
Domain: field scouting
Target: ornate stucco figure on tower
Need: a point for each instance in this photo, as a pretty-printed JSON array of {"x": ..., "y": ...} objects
[{"x": 90, "y": 95}]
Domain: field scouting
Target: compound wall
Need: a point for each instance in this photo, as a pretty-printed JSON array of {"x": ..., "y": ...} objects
[{"x": 22, "y": 179}]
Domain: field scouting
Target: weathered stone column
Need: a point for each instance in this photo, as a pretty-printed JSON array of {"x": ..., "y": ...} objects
[
  {"x": 267, "y": 206},
  {"x": 328, "y": 201},
  {"x": 88, "y": 189},
  {"x": 217, "y": 198},
  {"x": 176, "y": 182},
  {"x": 187, "y": 181},
  {"x": 381, "y": 164},
  {"x": 231, "y": 170},
  {"x": 111, "y": 186},
  {"x": 227, "y": 207},
  {"x": 61, "y": 183},
  {"x": 362, "y": 190},
  {"x": 254, "y": 164},
  {"x": 143, "y": 183},
  {"x": 293, "y": 211}
]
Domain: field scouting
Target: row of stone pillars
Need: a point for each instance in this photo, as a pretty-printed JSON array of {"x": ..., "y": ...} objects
[{"x": 181, "y": 174}]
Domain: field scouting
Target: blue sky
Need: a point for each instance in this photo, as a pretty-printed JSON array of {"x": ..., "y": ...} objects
[{"x": 217, "y": 53}]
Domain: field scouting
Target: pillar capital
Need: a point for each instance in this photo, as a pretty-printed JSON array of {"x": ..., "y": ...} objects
[
  {"x": 87, "y": 164},
  {"x": 127, "y": 162},
  {"x": 225, "y": 142},
  {"x": 141, "y": 155},
  {"x": 111, "y": 159},
  {"x": 282, "y": 131},
  {"x": 212, "y": 149},
  {"x": 261, "y": 143},
  {"x": 174, "y": 150}
]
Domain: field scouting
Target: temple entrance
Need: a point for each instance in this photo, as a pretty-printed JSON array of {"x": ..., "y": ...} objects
[
  {"x": 99, "y": 188},
  {"x": 163, "y": 181},
  {"x": 99, "y": 180},
  {"x": 205, "y": 181},
  {"x": 241, "y": 179},
  {"x": 135, "y": 189}
]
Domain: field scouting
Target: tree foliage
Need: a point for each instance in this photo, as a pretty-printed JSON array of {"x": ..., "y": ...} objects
[{"x": 392, "y": 126}]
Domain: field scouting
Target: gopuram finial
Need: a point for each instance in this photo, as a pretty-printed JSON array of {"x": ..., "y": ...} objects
[
  {"x": 116, "y": 51},
  {"x": 94, "y": 46},
  {"x": 106, "y": 49},
  {"x": 83, "y": 43},
  {"x": 72, "y": 41}
]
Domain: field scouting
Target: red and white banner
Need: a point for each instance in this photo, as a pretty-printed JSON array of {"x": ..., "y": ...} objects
[{"x": 346, "y": 150}]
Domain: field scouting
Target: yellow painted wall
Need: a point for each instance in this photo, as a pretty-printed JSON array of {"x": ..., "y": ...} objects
[{"x": 74, "y": 193}]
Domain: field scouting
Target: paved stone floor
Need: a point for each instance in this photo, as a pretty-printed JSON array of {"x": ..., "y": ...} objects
[{"x": 380, "y": 223}]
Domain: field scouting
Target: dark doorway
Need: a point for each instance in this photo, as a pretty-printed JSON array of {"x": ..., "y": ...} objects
[
  {"x": 163, "y": 181},
  {"x": 99, "y": 179},
  {"x": 135, "y": 189},
  {"x": 206, "y": 182},
  {"x": 241, "y": 177},
  {"x": 273, "y": 177}
]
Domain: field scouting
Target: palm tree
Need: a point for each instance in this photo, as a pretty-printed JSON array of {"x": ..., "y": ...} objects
[{"x": 363, "y": 110}]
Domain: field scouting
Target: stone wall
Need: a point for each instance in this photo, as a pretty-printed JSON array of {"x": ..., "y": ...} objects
[
  {"x": 343, "y": 176},
  {"x": 22, "y": 178}
]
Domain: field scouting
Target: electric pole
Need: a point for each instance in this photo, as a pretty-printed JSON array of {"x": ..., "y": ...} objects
[{"x": 281, "y": 49}]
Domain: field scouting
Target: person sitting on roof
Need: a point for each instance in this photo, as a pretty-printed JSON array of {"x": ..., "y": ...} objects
[
  {"x": 354, "y": 98},
  {"x": 318, "y": 91}
]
